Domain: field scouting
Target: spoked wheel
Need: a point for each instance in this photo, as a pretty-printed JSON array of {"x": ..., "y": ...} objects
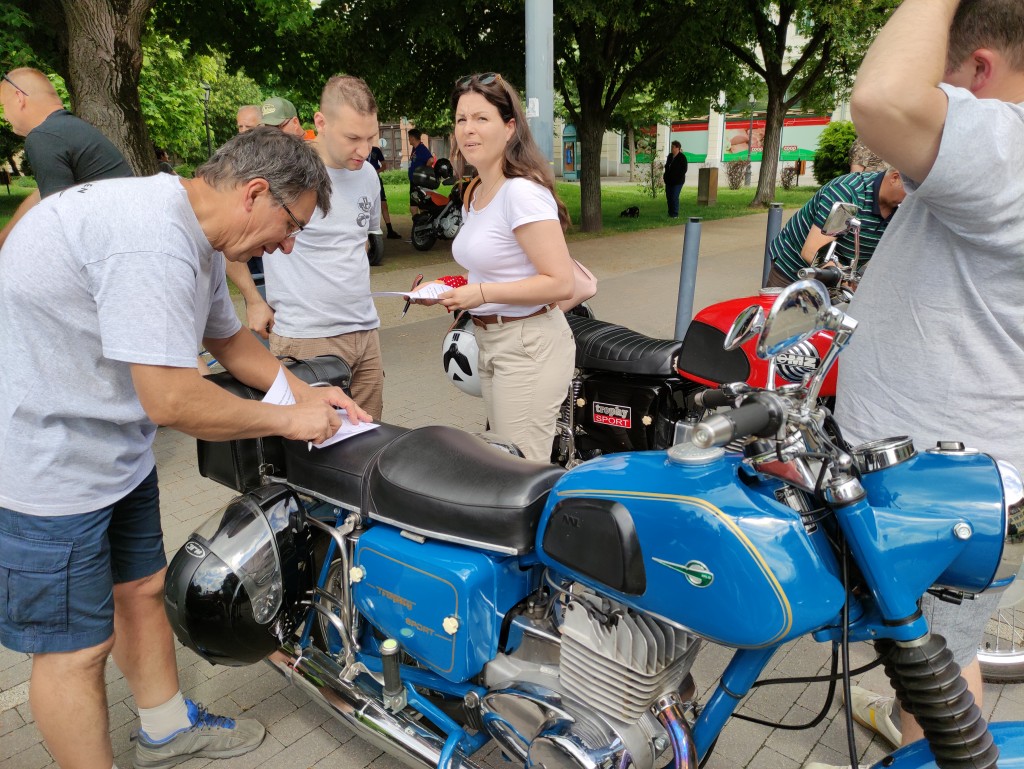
[
  {"x": 323, "y": 634},
  {"x": 1001, "y": 653}
]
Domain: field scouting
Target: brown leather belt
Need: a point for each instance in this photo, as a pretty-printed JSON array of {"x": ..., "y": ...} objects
[{"x": 483, "y": 321}]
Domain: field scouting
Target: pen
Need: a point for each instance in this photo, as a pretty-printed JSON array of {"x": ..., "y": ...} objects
[{"x": 415, "y": 283}]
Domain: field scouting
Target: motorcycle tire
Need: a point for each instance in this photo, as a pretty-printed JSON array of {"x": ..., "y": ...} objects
[
  {"x": 423, "y": 239},
  {"x": 375, "y": 250},
  {"x": 1001, "y": 652}
]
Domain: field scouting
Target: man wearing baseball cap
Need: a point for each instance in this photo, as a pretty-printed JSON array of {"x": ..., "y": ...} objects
[{"x": 281, "y": 113}]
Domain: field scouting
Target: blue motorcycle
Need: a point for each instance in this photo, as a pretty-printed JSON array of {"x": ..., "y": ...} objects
[{"x": 436, "y": 594}]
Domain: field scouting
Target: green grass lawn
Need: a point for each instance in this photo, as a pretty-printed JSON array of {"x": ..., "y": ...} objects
[
  {"x": 10, "y": 202},
  {"x": 653, "y": 211}
]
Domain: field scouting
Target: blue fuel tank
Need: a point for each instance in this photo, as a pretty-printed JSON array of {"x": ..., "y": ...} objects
[{"x": 698, "y": 545}]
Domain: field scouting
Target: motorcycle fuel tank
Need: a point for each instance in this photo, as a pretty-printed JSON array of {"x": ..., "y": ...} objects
[
  {"x": 705, "y": 360},
  {"x": 443, "y": 603},
  {"x": 690, "y": 543}
]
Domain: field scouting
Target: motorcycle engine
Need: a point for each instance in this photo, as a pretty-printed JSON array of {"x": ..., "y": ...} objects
[
  {"x": 449, "y": 224},
  {"x": 593, "y": 706}
]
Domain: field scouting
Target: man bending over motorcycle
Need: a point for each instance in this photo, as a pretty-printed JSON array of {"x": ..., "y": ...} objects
[
  {"x": 877, "y": 196},
  {"x": 105, "y": 293},
  {"x": 940, "y": 91}
]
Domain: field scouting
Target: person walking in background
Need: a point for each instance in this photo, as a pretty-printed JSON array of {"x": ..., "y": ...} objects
[
  {"x": 675, "y": 178},
  {"x": 249, "y": 117},
  {"x": 942, "y": 85},
  {"x": 876, "y": 195},
  {"x": 318, "y": 299},
  {"x": 135, "y": 267},
  {"x": 62, "y": 149},
  {"x": 377, "y": 161},
  {"x": 513, "y": 244},
  {"x": 163, "y": 162},
  {"x": 419, "y": 155}
]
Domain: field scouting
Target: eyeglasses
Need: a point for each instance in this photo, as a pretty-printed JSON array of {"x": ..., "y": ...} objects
[
  {"x": 484, "y": 78},
  {"x": 13, "y": 85},
  {"x": 299, "y": 227}
]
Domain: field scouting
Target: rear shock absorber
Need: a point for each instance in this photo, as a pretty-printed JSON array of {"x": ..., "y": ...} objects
[{"x": 928, "y": 684}]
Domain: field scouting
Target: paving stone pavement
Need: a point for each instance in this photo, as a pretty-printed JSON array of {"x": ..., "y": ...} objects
[{"x": 639, "y": 275}]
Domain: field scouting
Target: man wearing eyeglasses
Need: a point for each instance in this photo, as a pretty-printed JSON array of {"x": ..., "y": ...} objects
[
  {"x": 105, "y": 293},
  {"x": 63, "y": 150},
  {"x": 318, "y": 299}
]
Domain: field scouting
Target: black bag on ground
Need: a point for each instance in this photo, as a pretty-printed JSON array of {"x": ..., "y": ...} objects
[{"x": 240, "y": 464}]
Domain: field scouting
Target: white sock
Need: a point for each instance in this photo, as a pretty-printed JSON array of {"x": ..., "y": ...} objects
[{"x": 161, "y": 722}]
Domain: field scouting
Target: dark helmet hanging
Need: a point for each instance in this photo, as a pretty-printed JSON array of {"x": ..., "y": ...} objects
[{"x": 240, "y": 584}]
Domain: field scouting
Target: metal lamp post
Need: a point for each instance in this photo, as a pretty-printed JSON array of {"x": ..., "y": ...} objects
[
  {"x": 206, "y": 118},
  {"x": 750, "y": 140}
]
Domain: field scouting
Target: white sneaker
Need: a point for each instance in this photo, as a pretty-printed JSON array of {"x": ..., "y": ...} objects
[{"x": 874, "y": 712}]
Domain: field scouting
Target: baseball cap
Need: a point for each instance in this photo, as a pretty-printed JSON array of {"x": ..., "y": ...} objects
[{"x": 276, "y": 111}]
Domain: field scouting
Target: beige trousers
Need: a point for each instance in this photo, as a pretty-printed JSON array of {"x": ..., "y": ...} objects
[
  {"x": 359, "y": 349},
  {"x": 525, "y": 370}
]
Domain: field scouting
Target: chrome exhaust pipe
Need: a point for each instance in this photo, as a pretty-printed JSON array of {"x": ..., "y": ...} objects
[{"x": 359, "y": 705}]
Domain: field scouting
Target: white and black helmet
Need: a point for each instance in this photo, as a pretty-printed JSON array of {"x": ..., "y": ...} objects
[{"x": 459, "y": 355}]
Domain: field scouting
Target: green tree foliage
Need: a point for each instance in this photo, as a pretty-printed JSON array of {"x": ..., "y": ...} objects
[
  {"x": 816, "y": 66},
  {"x": 172, "y": 98},
  {"x": 832, "y": 156},
  {"x": 606, "y": 50}
]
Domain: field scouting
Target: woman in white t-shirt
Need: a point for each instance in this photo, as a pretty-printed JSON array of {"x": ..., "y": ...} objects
[{"x": 512, "y": 243}]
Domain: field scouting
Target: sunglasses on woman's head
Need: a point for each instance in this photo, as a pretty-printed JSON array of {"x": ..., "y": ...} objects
[{"x": 485, "y": 78}]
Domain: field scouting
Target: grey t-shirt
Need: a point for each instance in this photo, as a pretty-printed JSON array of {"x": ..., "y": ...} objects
[
  {"x": 939, "y": 353},
  {"x": 322, "y": 288},
  {"x": 91, "y": 280},
  {"x": 64, "y": 150}
]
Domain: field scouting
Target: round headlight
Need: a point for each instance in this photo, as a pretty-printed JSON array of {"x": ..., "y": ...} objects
[{"x": 1013, "y": 510}]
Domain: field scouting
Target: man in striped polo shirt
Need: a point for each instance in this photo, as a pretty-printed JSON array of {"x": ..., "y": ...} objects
[{"x": 876, "y": 195}]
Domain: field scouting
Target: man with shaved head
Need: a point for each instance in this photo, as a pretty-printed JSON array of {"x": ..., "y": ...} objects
[
  {"x": 62, "y": 149},
  {"x": 319, "y": 303}
]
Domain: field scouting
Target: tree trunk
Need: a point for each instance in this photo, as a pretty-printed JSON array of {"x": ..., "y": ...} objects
[
  {"x": 590, "y": 135},
  {"x": 631, "y": 138},
  {"x": 103, "y": 61},
  {"x": 774, "y": 118},
  {"x": 15, "y": 171}
]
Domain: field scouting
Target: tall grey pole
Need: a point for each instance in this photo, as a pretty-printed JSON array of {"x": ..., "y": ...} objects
[
  {"x": 774, "y": 228},
  {"x": 540, "y": 61},
  {"x": 687, "y": 276}
]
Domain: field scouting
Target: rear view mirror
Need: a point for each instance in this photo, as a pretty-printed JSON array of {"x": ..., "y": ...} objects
[
  {"x": 797, "y": 314},
  {"x": 747, "y": 325},
  {"x": 840, "y": 219}
]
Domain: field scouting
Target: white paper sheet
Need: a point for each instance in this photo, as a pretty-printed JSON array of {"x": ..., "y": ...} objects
[
  {"x": 347, "y": 430},
  {"x": 280, "y": 393},
  {"x": 426, "y": 291}
]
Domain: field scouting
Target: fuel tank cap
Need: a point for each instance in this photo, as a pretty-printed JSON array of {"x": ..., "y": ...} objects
[{"x": 688, "y": 454}]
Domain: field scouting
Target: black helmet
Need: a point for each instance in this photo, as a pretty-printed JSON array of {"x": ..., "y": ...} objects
[
  {"x": 241, "y": 583},
  {"x": 444, "y": 171}
]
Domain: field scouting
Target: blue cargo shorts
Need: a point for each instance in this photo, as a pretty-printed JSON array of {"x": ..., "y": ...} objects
[{"x": 57, "y": 573}]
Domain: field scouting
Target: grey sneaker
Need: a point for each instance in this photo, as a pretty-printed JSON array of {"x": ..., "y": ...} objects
[{"x": 209, "y": 736}]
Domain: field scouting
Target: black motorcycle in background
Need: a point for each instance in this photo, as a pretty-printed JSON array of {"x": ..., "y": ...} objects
[{"x": 439, "y": 216}]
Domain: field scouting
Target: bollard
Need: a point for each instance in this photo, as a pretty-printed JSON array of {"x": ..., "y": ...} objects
[
  {"x": 687, "y": 276},
  {"x": 774, "y": 228}
]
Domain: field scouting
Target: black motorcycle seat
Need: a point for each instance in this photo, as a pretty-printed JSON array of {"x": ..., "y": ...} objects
[
  {"x": 608, "y": 347},
  {"x": 447, "y": 484},
  {"x": 336, "y": 472}
]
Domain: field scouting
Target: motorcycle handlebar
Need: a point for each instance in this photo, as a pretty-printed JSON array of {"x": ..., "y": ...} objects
[
  {"x": 829, "y": 276},
  {"x": 754, "y": 417},
  {"x": 712, "y": 399}
]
